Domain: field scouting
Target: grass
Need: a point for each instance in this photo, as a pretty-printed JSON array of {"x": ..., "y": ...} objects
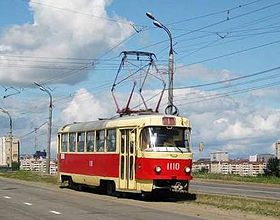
[
  {"x": 259, "y": 207},
  {"x": 237, "y": 178},
  {"x": 31, "y": 176}
]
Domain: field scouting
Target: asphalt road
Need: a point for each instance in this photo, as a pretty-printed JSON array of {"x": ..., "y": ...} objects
[
  {"x": 21, "y": 200},
  {"x": 25, "y": 202},
  {"x": 239, "y": 189}
]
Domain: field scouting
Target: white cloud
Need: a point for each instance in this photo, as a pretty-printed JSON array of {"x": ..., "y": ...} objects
[
  {"x": 58, "y": 33},
  {"x": 229, "y": 123},
  {"x": 87, "y": 107},
  {"x": 201, "y": 72}
]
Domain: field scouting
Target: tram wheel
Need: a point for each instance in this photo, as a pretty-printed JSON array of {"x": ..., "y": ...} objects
[
  {"x": 71, "y": 184},
  {"x": 146, "y": 196},
  {"x": 110, "y": 188}
]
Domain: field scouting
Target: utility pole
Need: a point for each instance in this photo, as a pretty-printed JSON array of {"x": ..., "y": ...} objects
[
  {"x": 170, "y": 109},
  {"x": 10, "y": 135},
  {"x": 49, "y": 124},
  {"x": 35, "y": 139}
]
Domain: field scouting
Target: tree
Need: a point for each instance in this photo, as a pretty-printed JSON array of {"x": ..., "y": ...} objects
[
  {"x": 273, "y": 167},
  {"x": 203, "y": 170}
]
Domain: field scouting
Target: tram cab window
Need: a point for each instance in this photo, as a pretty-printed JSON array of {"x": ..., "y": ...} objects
[
  {"x": 161, "y": 138},
  {"x": 90, "y": 141},
  {"x": 72, "y": 142},
  {"x": 81, "y": 141},
  {"x": 111, "y": 140},
  {"x": 64, "y": 141},
  {"x": 100, "y": 140}
]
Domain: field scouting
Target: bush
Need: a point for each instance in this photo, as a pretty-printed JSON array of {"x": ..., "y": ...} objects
[
  {"x": 273, "y": 167},
  {"x": 15, "y": 166}
]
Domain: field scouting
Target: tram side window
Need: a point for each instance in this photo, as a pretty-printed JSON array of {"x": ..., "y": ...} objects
[
  {"x": 72, "y": 142},
  {"x": 111, "y": 140},
  {"x": 81, "y": 141},
  {"x": 90, "y": 141},
  {"x": 100, "y": 139},
  {"x": 64, "y": 141}
]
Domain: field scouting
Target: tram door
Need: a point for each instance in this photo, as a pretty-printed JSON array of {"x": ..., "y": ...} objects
[{"x": 127, "y": 159}]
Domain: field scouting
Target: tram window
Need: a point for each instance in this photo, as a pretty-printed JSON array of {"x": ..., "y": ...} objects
[
  {"x": 122, "y": 167},
  {"x": 131, "y": 167},
  {"x": 100, "y": 139},
  {"x": 72, "y": 142},
  {"x": 163, "y": 138},
  {"x": 132, "y": 142},
  {"x": 64, "y": 142},
  {"x": 111, "y": 140},
  {"x": 122, "y": 140},
  {"x": 81, "y": 141},
  {"x": 90, "y": 141}
]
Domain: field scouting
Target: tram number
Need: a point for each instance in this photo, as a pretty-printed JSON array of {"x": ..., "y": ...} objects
[{"x": 173, "y": 166}]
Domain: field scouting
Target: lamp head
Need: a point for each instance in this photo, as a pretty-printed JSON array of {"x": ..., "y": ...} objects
[
  {"x": 40, "y": 87},
  {"x": 158, "y": 24},
  {"x": 149, "y": 15}
]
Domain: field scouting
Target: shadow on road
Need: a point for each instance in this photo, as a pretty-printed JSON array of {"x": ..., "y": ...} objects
[{"x": 148, "y": 197}]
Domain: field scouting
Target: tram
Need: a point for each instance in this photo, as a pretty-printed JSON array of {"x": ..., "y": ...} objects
[{"x": 141, "y": 153}]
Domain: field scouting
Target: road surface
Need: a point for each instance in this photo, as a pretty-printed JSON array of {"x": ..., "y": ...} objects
[
  {"x": 20, "y": 200},
  {"x": 240, "y": 189}
]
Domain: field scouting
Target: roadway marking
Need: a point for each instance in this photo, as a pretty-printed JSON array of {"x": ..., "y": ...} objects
[
  {"x": 7, "y": 197},
  {"x": 55, "y": 212},
  {"x": 27, "y": 203}
]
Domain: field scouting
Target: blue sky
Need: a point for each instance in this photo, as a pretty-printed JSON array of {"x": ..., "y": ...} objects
[{"x": 50, "y": 42}]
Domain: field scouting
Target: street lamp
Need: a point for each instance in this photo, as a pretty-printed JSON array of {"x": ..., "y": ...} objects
[
  {"x": 10, "y": 134},
  {"x": 41, "y": 87},
  {"x": 170, "y": 107}
]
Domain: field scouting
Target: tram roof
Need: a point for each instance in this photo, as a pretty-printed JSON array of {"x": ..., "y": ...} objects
[{"x": 125, "y": 121}]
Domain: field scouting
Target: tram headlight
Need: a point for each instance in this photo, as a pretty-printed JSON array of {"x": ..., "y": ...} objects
[
  {"x": 157, "y": 169},
  {"x": 187, "y": 169}
]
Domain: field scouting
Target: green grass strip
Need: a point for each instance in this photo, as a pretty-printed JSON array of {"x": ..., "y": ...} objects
[
  {"x": 31, "y": 176},
  {"x": 260, "y": 207}
]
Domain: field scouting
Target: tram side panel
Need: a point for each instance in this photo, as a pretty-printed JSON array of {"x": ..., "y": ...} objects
[{"x": 89, "y": 168}]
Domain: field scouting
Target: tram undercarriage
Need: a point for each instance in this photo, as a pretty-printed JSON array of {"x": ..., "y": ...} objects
[{"x": 177, "y": 186}]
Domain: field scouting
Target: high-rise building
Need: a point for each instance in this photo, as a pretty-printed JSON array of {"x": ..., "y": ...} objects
[
  {"x": 219, "y": 156},
  {"x": 277, "y": 148},
  {"x": 5, "y": 150}
]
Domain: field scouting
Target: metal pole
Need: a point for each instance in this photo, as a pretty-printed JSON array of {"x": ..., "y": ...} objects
[
  {"x": 10, "y": 135},
  {"x": 11, "y": 140},
  {"x": 49, "y": 126},
  {"x": 170, "y": 105}
]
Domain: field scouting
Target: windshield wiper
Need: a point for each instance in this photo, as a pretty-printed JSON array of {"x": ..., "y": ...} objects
[{"x": 179, "y": 149}]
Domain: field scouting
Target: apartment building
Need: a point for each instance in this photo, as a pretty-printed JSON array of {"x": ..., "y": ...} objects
[
  {"x": 38, "y": 165},
  {"x": 219, "y": 156},
  {"x": 5, "y": 150},
  {"x": 238, "y": 167},
  {"x": 277, "y": 149}
]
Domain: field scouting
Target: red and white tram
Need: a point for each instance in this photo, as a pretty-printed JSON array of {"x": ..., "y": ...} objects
[{"x": 136, "y": 153}]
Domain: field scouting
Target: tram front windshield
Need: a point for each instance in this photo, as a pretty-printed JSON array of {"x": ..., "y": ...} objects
[{"x": 162, "y": 138}]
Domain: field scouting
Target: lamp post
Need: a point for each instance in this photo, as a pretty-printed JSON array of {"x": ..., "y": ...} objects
[
  {"x": 41, "y": 87},
  {"x": 10, "y": 135},
  {"x": 170, "y": 106}
]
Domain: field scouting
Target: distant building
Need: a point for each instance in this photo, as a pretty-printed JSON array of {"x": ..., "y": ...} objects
[
  {"x": 277, "y": 149},
  {"x": 5, "y": 150},
  {"x": 219, "y": 156},
  {"x": 203, "y": 163},
  {"x": 37, "y": 164},
  {"x": 40, "y": 154},
  {"x": 264, "y": 157},
  {"x": 238, "y": 167},
  {"x": 253, "y": 158}
]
